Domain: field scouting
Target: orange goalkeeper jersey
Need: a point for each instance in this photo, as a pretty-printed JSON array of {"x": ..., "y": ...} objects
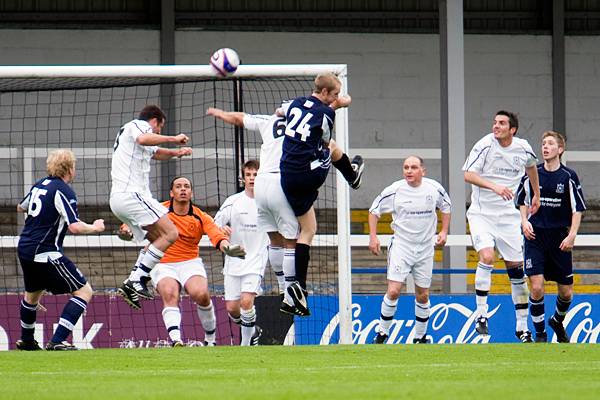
[{"x": 191, "y": 227}]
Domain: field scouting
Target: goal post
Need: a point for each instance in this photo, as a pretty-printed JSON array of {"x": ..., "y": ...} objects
[{"x": 100, "y": 96}]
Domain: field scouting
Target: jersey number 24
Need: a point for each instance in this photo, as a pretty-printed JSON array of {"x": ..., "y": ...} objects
[{"x": 298, "y": 124}]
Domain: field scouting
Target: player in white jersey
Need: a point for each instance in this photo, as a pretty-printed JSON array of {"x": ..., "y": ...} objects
[
  {"x": 495, "y": 167},
  {"x": 243, "y": 277},
  {"x": 130, "y": 198},
  {"x": 413, "y": 202},
  {"x": 275, "y": 216}
]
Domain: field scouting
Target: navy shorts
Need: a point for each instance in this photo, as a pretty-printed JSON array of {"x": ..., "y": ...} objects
[
  {"x": 544, "y": 257},
  {"x": 301, "y": 189},
  {"x": 57, "y": 277}
]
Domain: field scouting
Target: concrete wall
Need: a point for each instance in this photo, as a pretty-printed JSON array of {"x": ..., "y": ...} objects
[{"x": 393, "y": 78}]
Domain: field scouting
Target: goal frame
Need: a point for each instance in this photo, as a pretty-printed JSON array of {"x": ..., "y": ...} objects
[{"x": 341, "y": 240}]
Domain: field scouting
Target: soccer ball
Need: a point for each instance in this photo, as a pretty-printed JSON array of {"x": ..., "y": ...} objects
[{"x": 224, "y": 62}]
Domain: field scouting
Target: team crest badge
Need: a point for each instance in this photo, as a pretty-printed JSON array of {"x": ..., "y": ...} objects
[
  {"x": 429, "y": 199},
  {"x": 517, "y": 161},
  {"x": 560, "y": 188}
]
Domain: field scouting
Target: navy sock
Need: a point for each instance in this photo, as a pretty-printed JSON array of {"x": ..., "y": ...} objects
[
  {"x": 562, "y": 306},
  {"x": 345, "y": 167},
  {"x": 71, "y": 313},
  {"x": 28, "y": 315},
  {"x": 302, "y": 258},
  {"x": 536, "y": 309}
]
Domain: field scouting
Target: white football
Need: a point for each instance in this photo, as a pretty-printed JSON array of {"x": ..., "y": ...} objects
[{"x": 224, "y": 62}]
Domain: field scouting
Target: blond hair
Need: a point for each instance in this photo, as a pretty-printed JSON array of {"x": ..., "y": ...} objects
[
  {"x": 560, "y": 139},
  {"x": 326, "y": 81},
  {"x": 60, "y": 163}
]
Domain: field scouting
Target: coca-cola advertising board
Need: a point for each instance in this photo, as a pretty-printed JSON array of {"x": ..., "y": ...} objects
[{"x": 451, "y": 321}]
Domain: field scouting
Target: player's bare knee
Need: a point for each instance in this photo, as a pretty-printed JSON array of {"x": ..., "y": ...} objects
[
  {"x": 537, "y": 290},
  {"x": 422, "y": 297},
  {"x": 486, "y": 258},
  {"x": 247, "y": 302},
  {"x": 233, "y": 308},
  {"x": 565, "y": 292},
  {"x": 202, "y": 299},
  {"x": 169, "y": 294},
  {"x": 393, "y": 292},
  {"x": 85, "y": 292}
]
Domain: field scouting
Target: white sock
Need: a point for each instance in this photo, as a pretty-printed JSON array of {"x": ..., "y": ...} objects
[
  {"x": 483, "y": 282},
  {"x": 520, "y": 298},
  {"x": 248, "y": 318},
  {"x": 276, "y": 261},
  {"x": 421, "y": 318},
  {"x": 208, "y": 321},
  {"x": 289, "y": 270},
  {"x": 388, "y": 310},
  {"x": 235, "y": 320},
  {"x": 172, "y": 319},
  {"x": 137, "y": 263},
  {"x": 150, "y": 259}
]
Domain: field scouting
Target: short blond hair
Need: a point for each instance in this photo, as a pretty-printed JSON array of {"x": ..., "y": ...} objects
[
  {"x": 60, "y": 163},
  {"x": 327, "y": 81},
  {"x": 560, "y": 139}
]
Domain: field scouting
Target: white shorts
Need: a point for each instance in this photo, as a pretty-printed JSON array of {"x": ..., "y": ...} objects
[
  {"x": 502, "y": 232},
  {"x": 180, "y": 271},
  {"x": 274, "y": 212},
  {"x": 236, "y": 284},
  {"x": 402, "y": 261},
  {"x": 137, "y": 211}
]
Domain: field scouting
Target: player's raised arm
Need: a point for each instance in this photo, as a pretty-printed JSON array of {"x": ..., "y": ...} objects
[
  {"x": 83, "y": 228},
  {"x": 231, "y": 117},
  {"x": 342, "y": 101},
  {"x": 167, "y": 154},
  {"x": 475, "y": 179}
]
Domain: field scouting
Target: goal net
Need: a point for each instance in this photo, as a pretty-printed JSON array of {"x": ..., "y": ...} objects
[{"x": 82, "y": 109}]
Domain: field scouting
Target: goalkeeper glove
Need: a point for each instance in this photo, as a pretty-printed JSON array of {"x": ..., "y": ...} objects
[{"x": 235, "y": 250}]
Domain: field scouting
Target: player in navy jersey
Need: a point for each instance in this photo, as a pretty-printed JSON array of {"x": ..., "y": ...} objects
[
  {"x": 51, "y": 208},
  {"x": 307, "y": 153},
  {"x": 275, "y": 216},
  {"x": 550, "y": 234}
]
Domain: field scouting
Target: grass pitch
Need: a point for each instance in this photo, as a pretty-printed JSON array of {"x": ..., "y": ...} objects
[{"x": 488, "y": 372}]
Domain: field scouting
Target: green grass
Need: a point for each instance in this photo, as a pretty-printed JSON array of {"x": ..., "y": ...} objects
[{"x": 486, "y": 372}]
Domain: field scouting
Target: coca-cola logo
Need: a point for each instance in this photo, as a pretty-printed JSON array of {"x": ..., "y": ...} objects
[{"x": 454, "y": 323}]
